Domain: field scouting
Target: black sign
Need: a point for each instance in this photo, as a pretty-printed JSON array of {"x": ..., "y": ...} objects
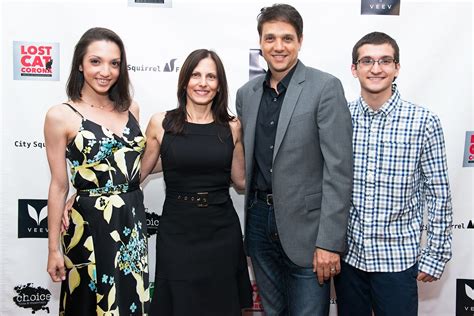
[
  {"x": 32, "y": 218},
  {"x": 35, "y": 298},
  {"x": 380, "y": 7},
  {"x": 149, "y": 1},
  {"x": 152, "y": 223},
  {"x": 464, "y": 297}
]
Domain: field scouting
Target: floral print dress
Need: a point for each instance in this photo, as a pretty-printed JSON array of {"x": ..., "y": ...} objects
[{"x": 105, "y": 246}]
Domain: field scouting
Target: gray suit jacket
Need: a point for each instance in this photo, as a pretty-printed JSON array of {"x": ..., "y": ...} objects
[{"x": 312, "y": 161}]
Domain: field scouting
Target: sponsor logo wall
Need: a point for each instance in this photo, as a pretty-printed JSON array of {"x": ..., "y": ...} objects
[
  {"x": 464, "y": 297},
  {"x": 35, "y": 61},
  {"x": 468, "y": 160},
  {"x": 32, "y": 218},
  {"x": 380, "y": 7},
  {"x": 158, "y": 35},
  {"x": 32, "y": 298}
]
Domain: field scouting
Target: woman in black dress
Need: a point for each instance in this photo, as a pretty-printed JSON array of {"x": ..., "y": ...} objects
[{"x": 201, "y": 267}]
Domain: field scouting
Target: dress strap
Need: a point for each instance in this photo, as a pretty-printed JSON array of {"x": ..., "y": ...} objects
[{"x": 76, "y": 111}]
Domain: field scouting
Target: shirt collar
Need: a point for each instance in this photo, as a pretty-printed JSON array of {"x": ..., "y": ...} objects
[
  {"x": 284, "y": 83},
  {"x": 387, "y": 107}
]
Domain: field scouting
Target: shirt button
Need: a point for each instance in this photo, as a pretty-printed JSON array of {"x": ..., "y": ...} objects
[
  {"x": 272, "y": 122},
  {"x": 370, "y": 177},
  {"x": 271, "y": 146},
  {"x": 275, "y": 99},
  {"x": 271, "y": 170}
]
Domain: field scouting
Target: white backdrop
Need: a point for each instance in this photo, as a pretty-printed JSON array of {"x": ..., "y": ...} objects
[{"x": 435, "y": 39}]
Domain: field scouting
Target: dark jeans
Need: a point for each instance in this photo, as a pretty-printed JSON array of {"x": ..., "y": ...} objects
[
  {"x": 284, "y": 287},
  {"x": 386, "y": 293}
]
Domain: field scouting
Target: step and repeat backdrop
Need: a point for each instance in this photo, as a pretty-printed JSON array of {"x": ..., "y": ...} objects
[{"x": 38, "y": 38}]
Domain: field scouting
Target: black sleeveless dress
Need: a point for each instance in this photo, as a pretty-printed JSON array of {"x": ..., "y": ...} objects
[
  {"x": 105, "y": 247},
  {"x": 201, "y": 268}
]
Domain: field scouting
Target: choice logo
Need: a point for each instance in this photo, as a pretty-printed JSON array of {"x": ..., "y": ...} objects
[
  {"x": 35, "y": 61},
  {"x": 468, "y": 160},
  {"x": 35, "y": 298},
  {"x": 464, "y": 297},
  {"x": 152, "y": 223},
  {"x": 32, "y": 218},
  {"x": 257, "y": 64},
  {"x": 380, "y": 7},
  {"x": 169, "y": 66}
]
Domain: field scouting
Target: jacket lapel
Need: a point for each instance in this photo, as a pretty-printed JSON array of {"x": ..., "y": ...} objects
[{"x": 291, "y": 98}]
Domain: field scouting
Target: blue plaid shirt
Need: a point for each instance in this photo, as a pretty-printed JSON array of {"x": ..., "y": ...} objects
[{"x": 399, "y": 172}]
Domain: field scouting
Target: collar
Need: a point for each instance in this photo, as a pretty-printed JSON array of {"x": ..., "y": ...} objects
[
  {"x": 386, "y": 108},
  {"x": 284, "y": 83}
]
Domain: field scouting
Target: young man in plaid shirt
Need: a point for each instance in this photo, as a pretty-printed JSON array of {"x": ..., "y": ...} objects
[{"x": 400, "y": 172}]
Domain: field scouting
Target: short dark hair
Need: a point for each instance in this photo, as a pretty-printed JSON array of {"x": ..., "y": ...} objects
[
  {"x": 283, "y": 13},
  {"x": 220, "y": 104},
  {"x": 375, "y": 38},
  {"x": 119, "y": 93}
]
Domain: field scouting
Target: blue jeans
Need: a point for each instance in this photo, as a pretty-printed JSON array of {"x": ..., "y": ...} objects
[
  {"x": 284, "y": 287},
  {"x": 386, "y": 293}
]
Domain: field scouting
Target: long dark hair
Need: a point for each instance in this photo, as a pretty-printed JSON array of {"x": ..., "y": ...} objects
[
  {"x": 119, "y": 93},
  {"x": 174, "y": 121}
]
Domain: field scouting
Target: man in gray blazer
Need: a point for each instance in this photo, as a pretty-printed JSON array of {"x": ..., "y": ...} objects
[{"x": 297, "y": 139}]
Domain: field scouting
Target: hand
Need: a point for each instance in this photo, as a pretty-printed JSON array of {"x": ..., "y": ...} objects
[
  {"x": 326, "y": 264},
  {"x": 425, "y": 277},
  {"x": 66, "y": 212},
  {"x": 56, "y": 269}
]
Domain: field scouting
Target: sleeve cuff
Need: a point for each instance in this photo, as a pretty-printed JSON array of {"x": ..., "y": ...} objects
[{"x": 431, "y": 266}]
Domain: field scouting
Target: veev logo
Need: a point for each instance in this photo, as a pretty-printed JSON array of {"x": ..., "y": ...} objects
[
  {"x": 464, "y": 297},
  {"x": 469, "y": 291},
  {"x": 380, "y": 7},
  {"x": 32, "y": 218},
  {"x": 38, "y": 217},
  {"x": 32, "y": 297}
]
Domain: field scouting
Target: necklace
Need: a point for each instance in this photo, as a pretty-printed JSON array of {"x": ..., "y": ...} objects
[
  {"x": 100, "y": 107},
  {"x": 96, "y": 106}
]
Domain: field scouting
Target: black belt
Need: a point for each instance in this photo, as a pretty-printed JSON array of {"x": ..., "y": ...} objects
[
  {"x": 264, "y": 196},
  {"x": 201, "y": 199}
]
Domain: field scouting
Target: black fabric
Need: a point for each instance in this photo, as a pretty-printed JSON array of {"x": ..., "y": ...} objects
[
  {"x": 105, "y": 243},
  {"x": 200, "y": 258},
  {"x": 265, "y": 131}
]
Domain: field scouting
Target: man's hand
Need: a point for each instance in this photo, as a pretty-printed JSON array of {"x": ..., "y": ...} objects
[
  {"x": 425, "y": 277},
  {"x": 326, "y": 264}
]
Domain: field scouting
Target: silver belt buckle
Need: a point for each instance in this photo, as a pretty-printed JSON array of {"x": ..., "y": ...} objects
[
  {"x": 269, "y": 199},
  {"x": 202, "y": 199}
]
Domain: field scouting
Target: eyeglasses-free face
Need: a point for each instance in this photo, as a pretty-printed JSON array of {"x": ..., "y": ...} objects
[{"x": 376, "y": 69}]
